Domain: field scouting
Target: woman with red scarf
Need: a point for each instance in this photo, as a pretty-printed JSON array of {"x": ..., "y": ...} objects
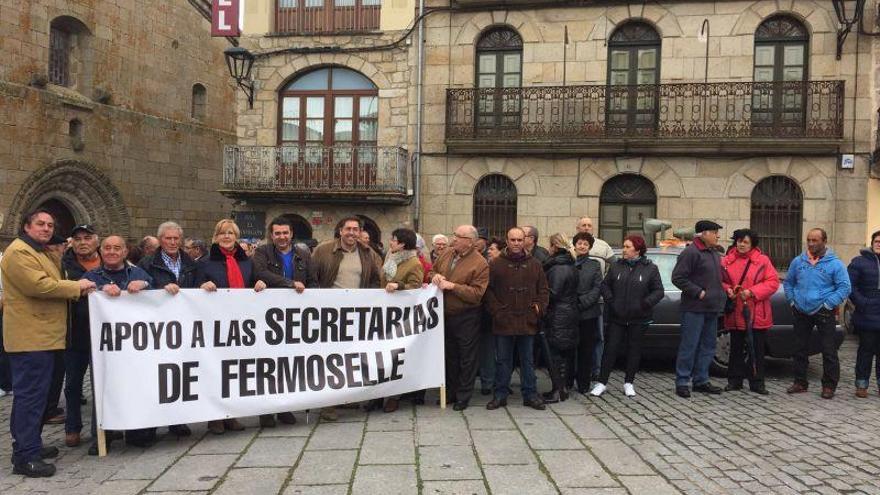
[
  {"x": 226, "y": 267},
  {"x": 749, "y": 278}
]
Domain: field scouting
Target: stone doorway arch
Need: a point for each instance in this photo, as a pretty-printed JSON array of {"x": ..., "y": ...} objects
[{"x": 79, "y": 191}]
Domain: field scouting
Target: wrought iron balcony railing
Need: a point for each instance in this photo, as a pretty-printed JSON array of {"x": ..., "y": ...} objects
[
  {"x": 664, "y": 114},
  {"x": 356, "y": 172},
  {"x": 301, "y": 17}
]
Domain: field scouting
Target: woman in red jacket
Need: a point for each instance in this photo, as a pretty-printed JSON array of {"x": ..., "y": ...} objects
[{"x": 749, "y": 278}]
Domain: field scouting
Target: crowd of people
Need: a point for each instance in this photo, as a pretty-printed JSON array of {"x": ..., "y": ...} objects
[{"x": 574, "y": 306}]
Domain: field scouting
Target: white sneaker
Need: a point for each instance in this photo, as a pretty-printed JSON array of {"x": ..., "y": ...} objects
[
  {"x": 629, "y": 390},
  {"x": 2, "y": 392},
  {"x": 598, "y": 390}
]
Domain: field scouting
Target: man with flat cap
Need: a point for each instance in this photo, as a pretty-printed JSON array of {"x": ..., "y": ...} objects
[{"x": 698, "y": 274}]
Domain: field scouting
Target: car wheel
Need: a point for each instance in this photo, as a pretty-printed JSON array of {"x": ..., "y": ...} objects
[
  {"x": 846, "y": 317},
  {"x": 722, "y": 353}
]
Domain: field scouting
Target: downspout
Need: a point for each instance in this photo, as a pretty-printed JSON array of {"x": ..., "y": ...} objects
[{"x": 417, "y": 159}]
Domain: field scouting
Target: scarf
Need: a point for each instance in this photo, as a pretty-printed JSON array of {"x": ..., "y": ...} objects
[
  {"x": 233, "y": 272},
  {"x": 632, "y": 261},
  {"x": 394, "y": 259},
  {"x": 516, "y": 257}
]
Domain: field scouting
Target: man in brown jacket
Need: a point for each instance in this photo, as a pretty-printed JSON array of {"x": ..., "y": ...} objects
[
  {"x": 517, "y": 297},
  {"x": 345, "y": 263},
  {"x": 35, "y": 325},
  {"x": 463, "y": 274}
]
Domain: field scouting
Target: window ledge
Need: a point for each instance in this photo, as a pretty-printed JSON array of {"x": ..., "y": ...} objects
[{"x": 70, "y": 97}]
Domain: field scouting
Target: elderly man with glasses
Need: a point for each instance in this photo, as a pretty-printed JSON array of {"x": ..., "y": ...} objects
[{"x": 463, "y": 275}]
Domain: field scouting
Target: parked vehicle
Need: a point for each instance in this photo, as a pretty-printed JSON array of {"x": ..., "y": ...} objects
[{"x": 661, "y": 339}]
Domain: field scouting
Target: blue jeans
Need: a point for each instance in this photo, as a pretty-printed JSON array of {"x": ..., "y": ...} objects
[
  {"x": 31, "y": 378},
  {"x": 504, "y": 347},
  {"x": 696, "y": 348},
  {"x": 76, "y": 363}
]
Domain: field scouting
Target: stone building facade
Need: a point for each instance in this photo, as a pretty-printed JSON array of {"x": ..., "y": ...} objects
[
  {"x": 113, "y": 113},
  {"x": 539, "y": 113}
]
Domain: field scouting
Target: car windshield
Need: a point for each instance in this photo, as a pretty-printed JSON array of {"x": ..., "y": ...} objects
[{"x": 665, "y": 263}]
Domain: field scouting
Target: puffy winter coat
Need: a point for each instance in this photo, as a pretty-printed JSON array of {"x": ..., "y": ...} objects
[
  {"x": 761, "y": 280},
  {"x": 809, "y": 288},
  {"x": 589, "y": 286},
  {"x": 864, "y": 274},
  {"x": 631, "y": 290},
  {"x": 561, "y": 321},
  {"x": 212, "y": 268}
]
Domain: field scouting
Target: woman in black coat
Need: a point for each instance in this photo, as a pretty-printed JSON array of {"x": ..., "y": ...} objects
[
  {"x": 631, "y": 289},
  {"x": 588, "y": 293},
  {"x": 227, "y": 266},
  {"x": 561, "y": 320},
  {"x": 864, "y": 273}
]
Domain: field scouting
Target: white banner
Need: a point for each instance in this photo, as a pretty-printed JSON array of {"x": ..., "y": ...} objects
[{"x": 197, "y": 356}]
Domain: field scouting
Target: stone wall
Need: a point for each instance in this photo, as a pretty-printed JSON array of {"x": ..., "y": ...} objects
[{"x": 142, "y": 159}]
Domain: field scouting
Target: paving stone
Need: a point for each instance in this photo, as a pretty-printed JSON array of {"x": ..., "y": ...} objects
[
  {"x": 648, "y": 485},
  {"x": 502, "y": 447},
  {"x": 594, "y": 491},
  {"x": 231, "y": 442},
  {"x": 400, "y": 420},
  {"x": 272, "y": 452},
  {"x": 453, "y": 488},
  {"x": 388, "y": 480},
  {"x": 516, "y": 480},
  {"x": 588, "y": 427},
  {"x": 575, "y": 469},
  {"x": 194, "y": 472},
  {"x": 448, "y": 462},
  {"x": 336, "y": 436},
  {"x": 248, "y": 481},
  {"x": 325, "y": 467},
  {"x": 120, "y": 487},
  {"x": 294, "y": 489},
  {"x": 481, "y": 419},
  {"x": 300, "y": 429},
  {"x": 618, "y": 457},
  {"x": 548, "y": 433},
  {"x": 445, "y": 429},
  {"x": 388, "y": 447}
]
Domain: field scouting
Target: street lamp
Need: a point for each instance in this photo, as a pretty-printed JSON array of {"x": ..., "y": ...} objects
[{"x": 240, "y": 62}]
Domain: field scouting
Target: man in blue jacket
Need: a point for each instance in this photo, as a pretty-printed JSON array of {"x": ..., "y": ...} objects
[{"x": 816, "y": 284}]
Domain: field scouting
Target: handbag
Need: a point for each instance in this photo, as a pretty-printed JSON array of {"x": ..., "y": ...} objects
[{"x": 730, "y": 304}]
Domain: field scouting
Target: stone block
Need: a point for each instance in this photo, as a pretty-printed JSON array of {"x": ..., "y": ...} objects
[
  {"x": 369, "y": 480},
  {"x": 588, "y": 427},
  {"x": 194, "y": 472},
  {"x": 272, "y": 452},
  {"x": 448, "y": 463},
  {"x": 325, "y": 467},
  {"x": 446, "y": 429},
  {"x": 502, "y": 447},
  {"x": 333, "y": 436},
  {"x": 388, "y": 447},
  {"x": 453, "y": 488},
  {"x": 229, "y": 443},
  {"x": 648, "y": 485},
  {"x": 547, "y": 433},
  {"x": 619, "y": 458},
  {"x": 575, "y": 469},
  {"x": 296, "y": 489},
  {"x": 248, "y": 481},
  {"x": 504, "y": 480}
]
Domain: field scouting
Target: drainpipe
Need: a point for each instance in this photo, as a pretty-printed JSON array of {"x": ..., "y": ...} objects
[{"x": 417, "y": 161}]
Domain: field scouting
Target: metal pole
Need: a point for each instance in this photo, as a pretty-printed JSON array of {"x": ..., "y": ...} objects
[{"x": 704, "y": 31}]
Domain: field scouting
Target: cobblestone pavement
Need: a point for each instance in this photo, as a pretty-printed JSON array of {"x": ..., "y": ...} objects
[{"x": 654, "y": 444}]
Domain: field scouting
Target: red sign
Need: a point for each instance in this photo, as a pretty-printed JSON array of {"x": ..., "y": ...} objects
[{"x": 224, "y": 18}]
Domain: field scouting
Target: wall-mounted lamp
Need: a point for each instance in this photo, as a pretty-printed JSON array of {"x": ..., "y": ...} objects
[{"x": 240, "y": 62}]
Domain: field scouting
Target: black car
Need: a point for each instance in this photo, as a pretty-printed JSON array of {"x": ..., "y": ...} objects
[{"x": 661, "y": 339}]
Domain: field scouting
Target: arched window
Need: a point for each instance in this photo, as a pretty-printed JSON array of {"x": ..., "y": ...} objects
[
  {"x": 781, "y": 56},
  {"x": 499, "y": 66},
  {"x": 199, "y": 101},
  {"x": 633, "y": 76},
  {"x": 330, "y": 106},
  {"x": 69, "y": 53},
  {"x": 329, "y": 128},
  {"x": 626, "y": 201},
  {"x": 777, "y": 216},
  {"x": 495, "y": 204}
]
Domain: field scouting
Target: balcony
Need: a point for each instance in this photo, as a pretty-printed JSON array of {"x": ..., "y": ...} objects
[
  {"x": 731, "y": 118},
  {"x": 348, "y": 174},
  {"x": 311, "y": 17}
]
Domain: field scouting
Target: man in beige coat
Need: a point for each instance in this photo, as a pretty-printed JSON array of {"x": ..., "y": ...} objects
[{"x": 35, "y": 325}]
